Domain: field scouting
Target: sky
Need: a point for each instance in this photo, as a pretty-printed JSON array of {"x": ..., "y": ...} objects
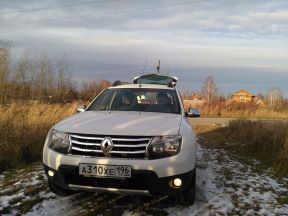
[{"x": 243, "y": 44}]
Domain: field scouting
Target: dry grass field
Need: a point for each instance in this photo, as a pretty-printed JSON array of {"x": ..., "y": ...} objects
[
  {"x": 266, "y": 142},
  {"x": 24, "y": 127},
  {"x": 220, "y": 110}
]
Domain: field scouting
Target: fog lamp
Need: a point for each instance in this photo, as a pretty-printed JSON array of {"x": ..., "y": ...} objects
[
  {"x": 50, "y": 173},
  {"x": 177, "y": 182}
]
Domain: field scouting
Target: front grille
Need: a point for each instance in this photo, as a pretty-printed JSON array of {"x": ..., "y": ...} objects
[{"x": 133, "y": 147}]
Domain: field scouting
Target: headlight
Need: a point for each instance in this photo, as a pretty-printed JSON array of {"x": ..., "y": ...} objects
[
  {"x": 59, "y": 141},
  {"x": 164, "y": 146}
]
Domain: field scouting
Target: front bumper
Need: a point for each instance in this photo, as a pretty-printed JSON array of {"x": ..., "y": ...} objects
[
  {"x": 141, "y": 182},
  {"x": 183, "y": 162}
]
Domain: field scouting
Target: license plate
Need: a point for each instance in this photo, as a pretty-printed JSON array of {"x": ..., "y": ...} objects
[{"x": 105, "y": 171}]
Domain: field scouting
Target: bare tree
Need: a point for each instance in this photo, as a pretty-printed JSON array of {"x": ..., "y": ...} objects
[
  {"x": 44, "y": 76},
  {"x": 35, "y": 78},
  {"x": 275, "y": 96},
  {"x": 20, "y": 80},
  {"x": 39, "y": 78},
  {"x": 63, "y": 76},
  {"x": 209, "y": 89},
  {"x": 4, "y": 70}
]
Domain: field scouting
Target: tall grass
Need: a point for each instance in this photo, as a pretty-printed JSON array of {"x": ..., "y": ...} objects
[
  {"x": 23, "y": 129},
  {"x": 220, "y": 109},
  {"x": 267, "y": 141}
]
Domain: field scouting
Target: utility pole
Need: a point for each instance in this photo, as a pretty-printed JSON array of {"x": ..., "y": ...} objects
[{"x": 158, "y": 67}]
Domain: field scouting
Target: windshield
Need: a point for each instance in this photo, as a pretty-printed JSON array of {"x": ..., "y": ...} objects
[{"x": 143, "y": 100}]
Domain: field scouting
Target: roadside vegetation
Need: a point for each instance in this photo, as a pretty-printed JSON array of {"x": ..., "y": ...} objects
[
  {"x": 41, "y": 78},
  {"x": 24, "y": 128},
  {"x": 272, "y": 105},
  {"x": 266, "y": 142},
  {"x": 36, "y": 91},
  {"x": 221, "y": 110}
]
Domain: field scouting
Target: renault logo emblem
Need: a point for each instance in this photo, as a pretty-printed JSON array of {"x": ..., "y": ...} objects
[{"x": 106, "y": 145}]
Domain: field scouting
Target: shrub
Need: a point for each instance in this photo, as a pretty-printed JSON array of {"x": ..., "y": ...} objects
[
  {"x": 24, "y": 127},
  {"x": 240, "y": 110},
  {"x": 269, "y": 140}
]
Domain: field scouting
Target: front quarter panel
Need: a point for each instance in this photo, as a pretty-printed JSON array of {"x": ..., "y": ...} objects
[{"x": 189, "y": 142}]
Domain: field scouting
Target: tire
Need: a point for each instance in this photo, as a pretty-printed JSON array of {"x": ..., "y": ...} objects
[
  {"x": 58, "y": 190},
  {"x": 187, "y": 197}
]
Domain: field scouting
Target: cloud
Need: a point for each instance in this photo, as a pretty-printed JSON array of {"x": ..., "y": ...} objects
[
  {"x": 109, "y": 36},
  {"x": 226, "y": 17}
]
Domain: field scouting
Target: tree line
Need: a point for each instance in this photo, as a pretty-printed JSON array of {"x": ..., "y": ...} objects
[
  {"x": 274, "y": 97},
  {"x": 41, "y": 78}
]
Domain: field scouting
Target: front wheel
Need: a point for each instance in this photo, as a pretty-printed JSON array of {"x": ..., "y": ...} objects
[{"x": 187, "y": 197}]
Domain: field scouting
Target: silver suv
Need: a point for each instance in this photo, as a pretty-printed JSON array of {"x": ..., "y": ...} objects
[{"x": 132, "y": 138}]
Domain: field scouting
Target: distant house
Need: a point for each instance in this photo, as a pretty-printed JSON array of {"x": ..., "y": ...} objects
[
  {"x": 244, "y": 96},
  {"x": 195, "y": 101}
]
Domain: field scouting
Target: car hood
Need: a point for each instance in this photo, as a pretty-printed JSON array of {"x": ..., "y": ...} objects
[{"x": 121, "y": 123}]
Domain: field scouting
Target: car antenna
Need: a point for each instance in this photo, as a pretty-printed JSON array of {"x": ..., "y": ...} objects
[
  {"x": 158, "y": 67},
  {"x": 144, "y": 68}
]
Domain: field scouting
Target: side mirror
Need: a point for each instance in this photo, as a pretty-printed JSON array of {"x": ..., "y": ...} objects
[
  {"x": 193, "y": 113},
  {"x": 81, "y": 108}
]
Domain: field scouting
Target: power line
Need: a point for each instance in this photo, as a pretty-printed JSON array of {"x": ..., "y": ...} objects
[
  {"x": 52, "y": 7},
  {"x": 106, "y": 13}
]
